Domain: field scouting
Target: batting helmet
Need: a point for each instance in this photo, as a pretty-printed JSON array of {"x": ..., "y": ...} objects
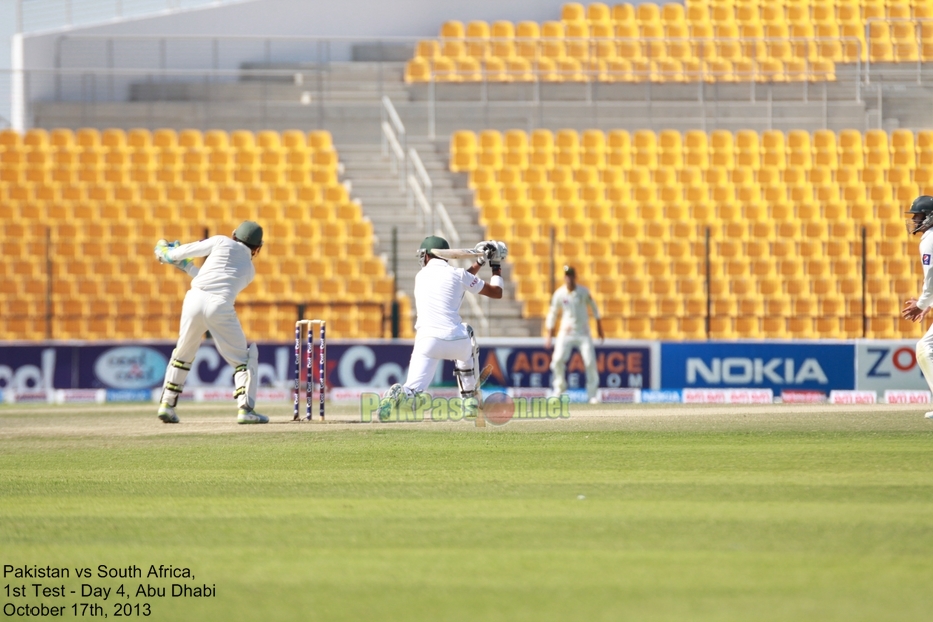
[
  {"x": 921, "y": 215},
  {"x": 430, "y": 243}
]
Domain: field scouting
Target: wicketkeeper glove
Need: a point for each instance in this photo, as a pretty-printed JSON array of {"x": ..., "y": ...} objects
[{"x": 161, "y": 252}]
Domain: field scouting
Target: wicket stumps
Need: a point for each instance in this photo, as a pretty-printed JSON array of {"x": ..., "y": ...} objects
[{"x": 322, "y": 359}]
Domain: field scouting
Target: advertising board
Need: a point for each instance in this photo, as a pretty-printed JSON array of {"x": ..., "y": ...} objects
[
  {"x": 127, "y": 367},
  {"x": 759, "y": 365},
  {"x": 883, "y": 365}
]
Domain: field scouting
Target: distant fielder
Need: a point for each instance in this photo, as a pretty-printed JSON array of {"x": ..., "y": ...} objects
[
  {"x": 573, "y": 302},
  {"x": 208, "y": 306},
  {"x": 440, "y": 333},
  {"x": 921, "y": 221}
]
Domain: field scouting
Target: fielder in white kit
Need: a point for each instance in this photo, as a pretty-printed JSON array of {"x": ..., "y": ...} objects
[
  {"x": 209, "y": 306},
  {"x": 921, "y": 221},
  {"x": 440, "y": 332},
  {"x": 574, "y": 303}
]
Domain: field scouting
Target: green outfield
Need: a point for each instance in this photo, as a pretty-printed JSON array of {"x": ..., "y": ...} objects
[{"x": 618, "y": 513}]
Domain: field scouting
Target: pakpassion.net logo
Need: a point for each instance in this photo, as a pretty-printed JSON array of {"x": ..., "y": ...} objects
[{"x": 498, "y": 408}]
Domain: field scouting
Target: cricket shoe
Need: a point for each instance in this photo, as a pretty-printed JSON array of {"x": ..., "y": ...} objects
[
  {"x": 248, "y": 415},
  {"x": 389, "y": 400},
  {"x": 167, "y": 414},
  {"x": 929, "y": 415}
]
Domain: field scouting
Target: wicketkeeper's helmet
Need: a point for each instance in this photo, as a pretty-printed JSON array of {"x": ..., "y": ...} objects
[
  {"x": 921, "y": 205},
  {"x": 430, "y": 243}
]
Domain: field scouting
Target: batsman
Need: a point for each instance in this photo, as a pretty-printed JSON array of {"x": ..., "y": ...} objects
[
  {"x": 440, "y": 332},
  {"x": 208, "y": 306}
]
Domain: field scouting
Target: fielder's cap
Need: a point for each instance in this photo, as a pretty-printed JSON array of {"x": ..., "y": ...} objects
[
  {"x": 249, "y": 233},
  {"x": 569, "y": 271}
]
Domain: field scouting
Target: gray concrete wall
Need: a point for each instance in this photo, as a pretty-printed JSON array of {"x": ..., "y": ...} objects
[
  {"x": 350, "y": 18},
  {"x": 357, "y": 18}
]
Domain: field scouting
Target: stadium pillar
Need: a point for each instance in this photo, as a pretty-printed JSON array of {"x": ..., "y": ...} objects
[
  {"x": 395, "y": 310},
  {"x": 709, "y": 300},
  {"x": 48, "y": 282},
  {"x": 864, "y": 285}
]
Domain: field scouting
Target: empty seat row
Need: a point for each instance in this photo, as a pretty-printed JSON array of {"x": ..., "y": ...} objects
[
  {"x": 85, "y": 248},
  {"x": 585, "y": 43},
  {"x": 784, "y": 221},
  {"x": 167, "y": 138}
]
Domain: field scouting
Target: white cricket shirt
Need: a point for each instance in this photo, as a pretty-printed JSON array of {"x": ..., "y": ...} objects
[
  {"x": 573, "y": 308},
  {"x": 439, "y": 290},
  {"x": 926, "y": 255},
  {"x": 227, "y": 270}
]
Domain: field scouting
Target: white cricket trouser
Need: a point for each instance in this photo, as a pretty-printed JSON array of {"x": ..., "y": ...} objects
[
  {"x": 201, "y": 312},
  {"x": 562, "y": 349},
  {"x": 429, "y": 351},
  {"x": 925, "y": 356}
]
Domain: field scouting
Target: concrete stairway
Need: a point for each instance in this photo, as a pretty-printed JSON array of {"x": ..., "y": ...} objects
[{"x": 376, "y": 186}]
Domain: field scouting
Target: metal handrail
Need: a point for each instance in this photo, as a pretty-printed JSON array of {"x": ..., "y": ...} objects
[
  {"x": 389, "y": 109},
  {"x": 422, "y": 173},
  {"x": 447, "y": 225},
  {"x": 394, "y": 130},
  {"x": 918, "y": 23},
  {"x": 323, "y": 44},
  {"x": 398, "y": 162},
  {"x": 415, "y": 195}
]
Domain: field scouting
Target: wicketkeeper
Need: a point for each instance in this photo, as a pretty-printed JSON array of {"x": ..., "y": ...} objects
[
  {"x": 440, "y": 332},
  {"x": 573, "y": 302},
  {"x": 208, "y": 306},
  {"x": 920, "y": 220}
]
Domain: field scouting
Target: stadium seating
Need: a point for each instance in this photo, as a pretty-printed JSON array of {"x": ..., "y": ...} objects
[
  {"x": 727, "y": 40},
  {"x": 90, "y": 205},
  {"x": 784, "y": 214}
]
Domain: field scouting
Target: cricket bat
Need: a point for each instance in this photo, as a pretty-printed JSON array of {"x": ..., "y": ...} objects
[{"x": 456, "y": 253}]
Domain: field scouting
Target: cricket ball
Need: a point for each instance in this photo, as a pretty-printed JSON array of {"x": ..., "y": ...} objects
[{"x": 498, "y": 408}]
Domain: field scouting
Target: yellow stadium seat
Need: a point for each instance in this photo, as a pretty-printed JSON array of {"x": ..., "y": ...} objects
[
  {"x": 477, "y": 39},
  {"x": 468, "y": 70},
  {"x": 598, "y": 13},
  {"x": 880, "y": 49},
  {"x": 573, "y": 12},
  {"x": 417, "y": 70},
  {"x": 452, "y": 30},
  {"x": 526, "y": 39},
  {"x": 453, "y": 48}
]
